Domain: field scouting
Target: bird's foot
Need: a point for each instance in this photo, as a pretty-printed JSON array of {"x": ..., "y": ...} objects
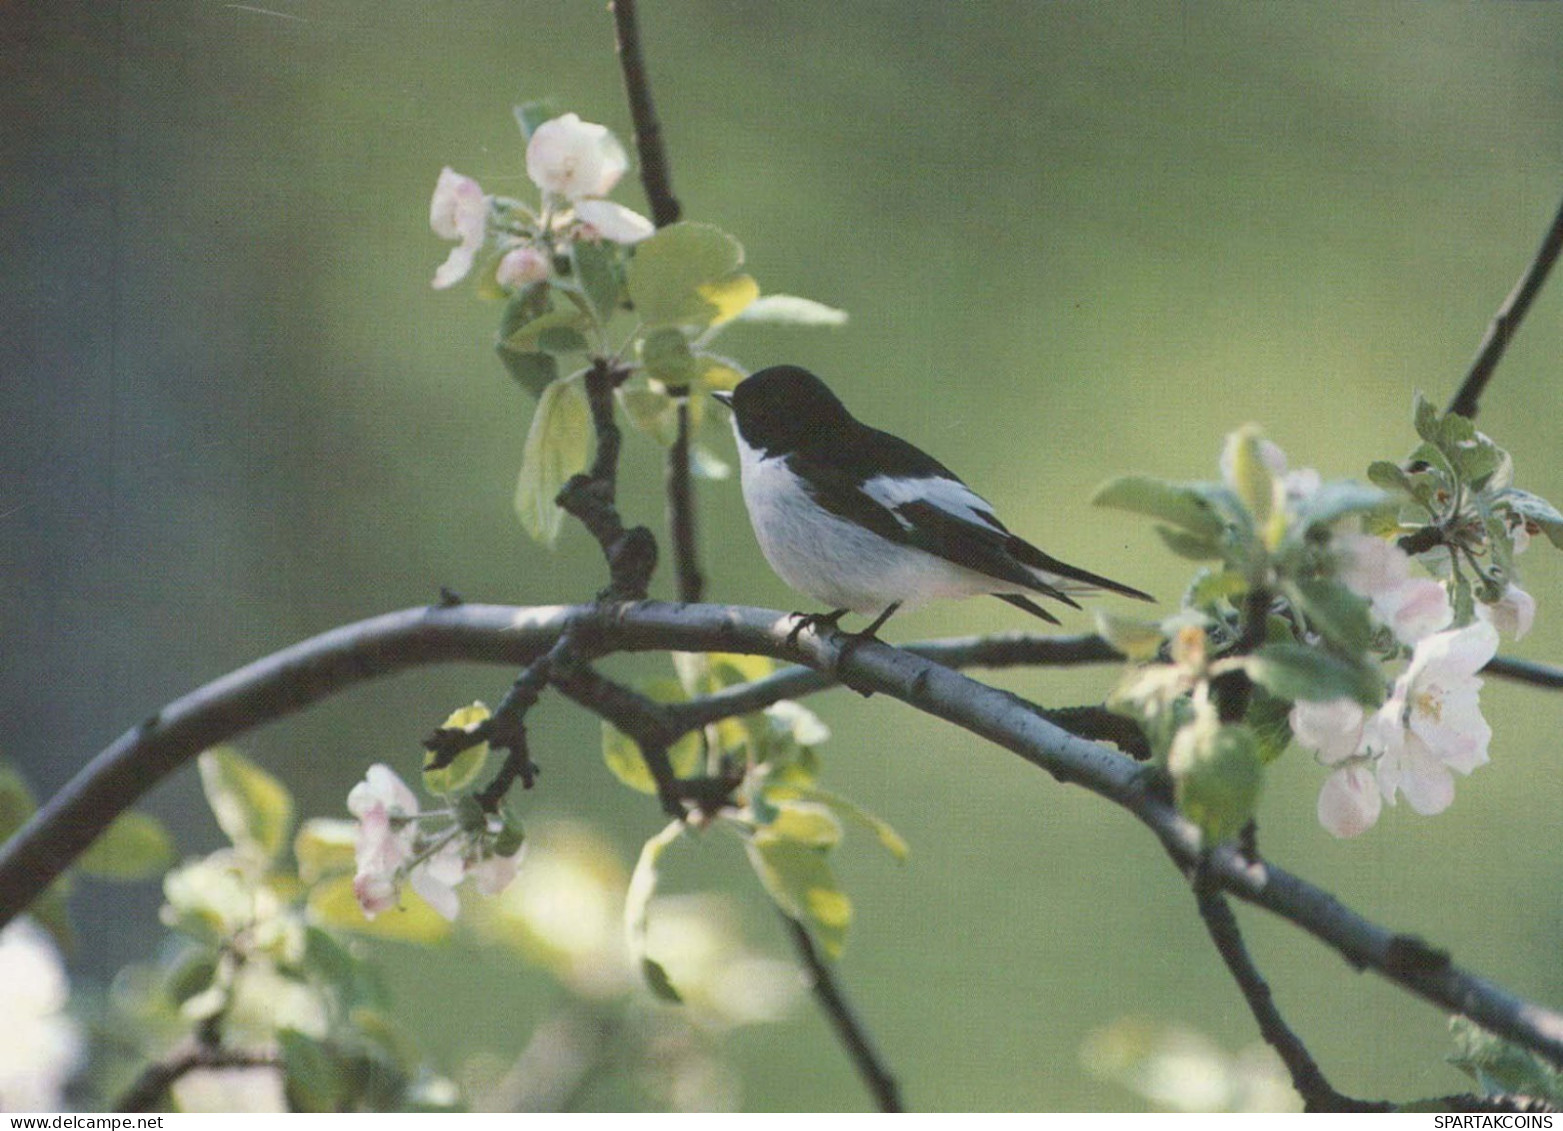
[{"x": 816, "y": 621}]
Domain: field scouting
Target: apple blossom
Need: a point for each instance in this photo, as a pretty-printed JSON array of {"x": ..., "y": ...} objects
[
  {"x": 614, "y": 221},
  {"x": 40, "y": 1046},
  {"x": 1337, "y": 731},
  {"x": 387, "y": 836},
  {"x": 520, "y": 266},
  {"x": 1413, "y": 607},
  {"x": 1432, "y": 723},
  {"x": 1349, "y": 801},
  {"x": 574, "y": 159},
  {"x": 1513, "y": 613},
  {"x": 458, "y": 211}
]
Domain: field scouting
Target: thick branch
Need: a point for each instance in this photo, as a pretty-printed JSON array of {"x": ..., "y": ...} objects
[
  {"x": 1307, "y": 1078},
  {"x": 1507, "y": 320},
  {"x": 314, "y": 669},
  {"x": 654, "y": 173},
  {"x": 854, "y": 1038},
  {"x": 150, "y": 1088}
]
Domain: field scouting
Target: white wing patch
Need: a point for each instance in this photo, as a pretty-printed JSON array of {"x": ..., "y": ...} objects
[{"x": 948, "y": 495}]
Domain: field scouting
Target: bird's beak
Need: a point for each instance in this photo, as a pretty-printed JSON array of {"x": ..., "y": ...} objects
[{"x": 723, "y": 399}]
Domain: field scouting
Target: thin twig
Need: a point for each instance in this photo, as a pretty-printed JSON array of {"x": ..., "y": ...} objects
[
  {"x": 1507, "y": 320},
  {"x": 315, "y": 669},
  {"x": 153, "y": 1084},
  {"x": 1307, "y": 1078},
  {"x": 681, "y": 509},
  {"x": 849, "y": 1030},
  {"x": 1525, "y": 671},
  {"x": 654, "y": 174}
]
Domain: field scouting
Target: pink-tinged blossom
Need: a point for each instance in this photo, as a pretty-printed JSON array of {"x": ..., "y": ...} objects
[
  {"x": 614, "y": 221},
  {"x": 1513, "y": 614},
  {"x": 521, "y": 266},
  {"x": 1349, "y": 801},
  {"x": 435, "y": 879},
  {"x": 575, "y": 159},
  {"x": 1413, "y": 607},
  {"x": 495, "y": 873},
  {"x": 458, "y": 211},
  {"x": 1432, "y": 722},
  {"x": 387, "y": 836}
]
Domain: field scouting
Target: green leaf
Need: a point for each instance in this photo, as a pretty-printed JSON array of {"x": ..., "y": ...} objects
[
  {"x": 533, "y": 371},
  {"x": 315, "y": 1076},
  {"x": 800, "y": 881},
  {"x": 530, "y": 115},
  {"x": 531, "y": 335},
  {"x": 1337, "y": 499},
  {"x": 1251, "y": 477},
  {"x": 1182, "y": 506},
  {"x": 1194, "y": 547},
  {"x": 557, "y": 446},
  {"x": 687, "y": 274},
  {"x": 597, "y": 273},
  {"x": 1211, "y": 586},
  {"x": 1533, "y": 508},
  {"x": 136, "y": 846},
  {"x": 1424, "y": 416},
  {"x": 1390, "y": 476},
  {"x": 805, "y": 822},
  {"x": 1295, "y": 671},
  {"x": 1270, "y": 719},
  {"x": 847, "y": 811},
  {"x": 1500, "y": 1067},
  {"x": 467, "y": 765},
  {"x": 637, "y": 905},
  {"x": 623, "y": 757},
  {"x": 252, "y": 808},
  {"x": 666, "y": 355},
  {"x": 1334, "y": 611},
  {"x": 1435, "y": 459},
  {"x": 1217, "y": 775},
  {"x": 790, "y": 310},
  {"x": 1136, "y": 639},
  {"x": 559, "y": 340},
  {"x": 16, "y": 802},
  {"x": 717, "y": 373}
]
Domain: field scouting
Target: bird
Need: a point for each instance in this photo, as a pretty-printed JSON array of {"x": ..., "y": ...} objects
[{"x": 866, "y": 522}]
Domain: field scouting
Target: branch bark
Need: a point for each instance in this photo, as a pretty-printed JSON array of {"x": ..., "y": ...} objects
[
  {"x": 1507, "y": 320},
  {"x": 319, "y": 667},
  {"x": 654, "y": 174}
]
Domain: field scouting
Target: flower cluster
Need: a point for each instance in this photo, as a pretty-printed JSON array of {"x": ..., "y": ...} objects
[
  {"x": 396, "y": 844},
  {"x": 575, "y": 164}
]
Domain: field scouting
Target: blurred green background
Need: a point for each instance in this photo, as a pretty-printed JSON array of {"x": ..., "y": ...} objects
[{"x": 1075, "y": 239}]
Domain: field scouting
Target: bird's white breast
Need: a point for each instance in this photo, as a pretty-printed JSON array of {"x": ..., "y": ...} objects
[{"x": 839, "y": 562}]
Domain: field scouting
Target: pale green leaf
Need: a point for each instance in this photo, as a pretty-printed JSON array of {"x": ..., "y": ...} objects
[
  {"x": 467, "y": 765},
  {"x": 136, "y": 846},
  {"x": 791, "y": 310},
  {"x": 1295, "y": 671},
  {"x": 622, "y": 755},
  {"x": 637, "y": 905},
  {"x": 557, "y": 446},
  {"x": 325, "y": 847},
  {"x": 1217, "y": 776},
  {"x": 687, "y": 274},
  {"x": 597, "y": 273},
  {"x": 532, "y": 370},
  {"x": 800, "y": 881},
  {"x": 1182, "y": 506},
  {"x": 333, "y": 904},
  {"x": 847, "y": 810},
  {"x": 252, "y": 808},
  {"x": 666, "y": 356}
]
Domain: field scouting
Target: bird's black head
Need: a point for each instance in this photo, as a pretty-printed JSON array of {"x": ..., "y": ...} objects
[{"x": 785, "y": 408}]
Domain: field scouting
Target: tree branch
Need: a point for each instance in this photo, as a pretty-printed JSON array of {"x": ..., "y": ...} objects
[
  {"x": 681, "y": 509},
  {"x": 319, "y": 667},
  {"x": 854, "y": 1038},
  {"x": 1307, "y": 1078},
  {"x": 1507, "y": 320},
  {"x": 654, "y": 173},
  {"x": 153, "y": 1084}
]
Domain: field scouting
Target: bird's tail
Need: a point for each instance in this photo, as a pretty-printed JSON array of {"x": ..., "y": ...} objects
[{"x": 1068, "y": 577}]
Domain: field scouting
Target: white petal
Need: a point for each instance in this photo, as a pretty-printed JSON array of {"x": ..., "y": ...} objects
[
  {"x": 457, "y": 207},
  {"x": 438, "y": 895},
  {"x": 382, "y": 786},
  {"x": 455, "y": 267},
  {"x": 520, "y": 266},
  {"x": 1333, "y": 728},
  {"x": 614, "y": 221},
  {"x": 1416, "y": 609},
  {"x": 1446, "y": 655},
  {"x": 1514, "y": 614},
  {"x": 1370, "y": 566},
  {"x": 1426, "y": 782},
  {"x": 1349, "y": 802},
  {"x": 574, "y": 158}
]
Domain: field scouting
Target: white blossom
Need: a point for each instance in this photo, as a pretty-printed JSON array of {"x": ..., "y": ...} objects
[
  {"x": 1349, "y": 801},
  {"x": 575, "y": 159},
  {"x": 387, "y": 836},
  {"x": 458, "y": 211},
  {"x": 614, "y": 221},
  {"x": 1513, "y": 613},
  {"x": 40, "y": 1046},
  {"x": 1413, "y": 607}
]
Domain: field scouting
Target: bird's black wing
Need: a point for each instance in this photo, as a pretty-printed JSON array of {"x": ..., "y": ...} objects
[{"x": 919, "y": 524}]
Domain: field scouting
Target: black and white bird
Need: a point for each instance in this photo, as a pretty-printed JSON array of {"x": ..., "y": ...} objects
[{"x": 867, "y": 523}]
